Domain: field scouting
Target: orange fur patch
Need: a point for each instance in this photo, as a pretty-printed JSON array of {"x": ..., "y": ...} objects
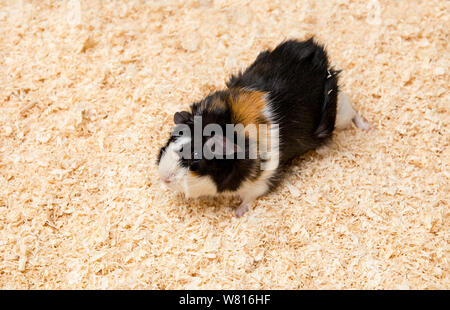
[
  {"x": 247, "y": 107},
  {"x": 193, "y": 173}
]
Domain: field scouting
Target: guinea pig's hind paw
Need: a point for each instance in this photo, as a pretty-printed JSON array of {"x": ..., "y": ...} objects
[
  {"x": 240, "y": 211},
  {"x": 361, "y": 122}
]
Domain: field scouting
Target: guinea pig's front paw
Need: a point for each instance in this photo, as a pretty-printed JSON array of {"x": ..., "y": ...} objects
[{"x": 241, "y": 209}]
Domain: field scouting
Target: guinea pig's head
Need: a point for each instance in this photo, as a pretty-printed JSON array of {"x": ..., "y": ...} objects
[{"x": 194, "y": 163}]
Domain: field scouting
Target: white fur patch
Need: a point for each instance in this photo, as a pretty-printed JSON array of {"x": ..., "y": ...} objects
[
  {"x": 197, "y": 186},
  {"x": 169, "y": 167},
  {"x": 345, "y": 112},
  {"x": 181, "y": 179}
]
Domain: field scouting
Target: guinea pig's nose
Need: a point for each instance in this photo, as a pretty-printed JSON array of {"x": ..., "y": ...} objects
[{"x": 167, "y": 179}]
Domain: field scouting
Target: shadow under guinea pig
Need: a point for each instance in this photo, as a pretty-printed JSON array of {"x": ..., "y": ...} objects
[{"x": 209, "y": 204}]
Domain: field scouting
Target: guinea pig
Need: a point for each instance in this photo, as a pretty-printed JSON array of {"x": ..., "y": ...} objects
[{"x": 284, "y": 104}]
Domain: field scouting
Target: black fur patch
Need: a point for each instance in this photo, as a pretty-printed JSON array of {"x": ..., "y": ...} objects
[{"x": 302, "y": 91}]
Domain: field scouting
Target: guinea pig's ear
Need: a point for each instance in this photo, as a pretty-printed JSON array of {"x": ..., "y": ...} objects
[
  {"x": 182, "y": 117},
  {"x": 220, "y": 145}
]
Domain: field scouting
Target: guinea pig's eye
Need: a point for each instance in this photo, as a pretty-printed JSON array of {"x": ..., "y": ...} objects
[{"x": 194, "y": 165}]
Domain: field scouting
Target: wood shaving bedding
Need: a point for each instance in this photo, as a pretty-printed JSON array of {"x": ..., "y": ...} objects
[{"x": 87, "y": 96}]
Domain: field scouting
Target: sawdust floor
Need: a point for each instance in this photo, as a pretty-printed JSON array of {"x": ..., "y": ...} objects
[{"x": 87, "y": 95}]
